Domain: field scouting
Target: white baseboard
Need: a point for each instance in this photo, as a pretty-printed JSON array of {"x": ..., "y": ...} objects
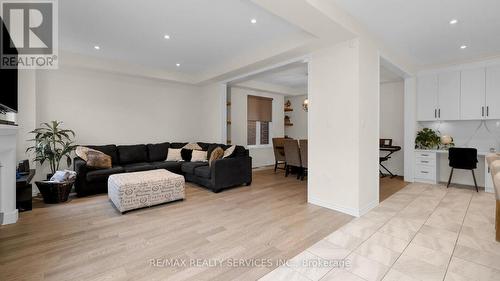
[
  {"x": 369, "y": 207},
  {"x": 346, "y": 210},
  {"x": 10, "y": 217}
]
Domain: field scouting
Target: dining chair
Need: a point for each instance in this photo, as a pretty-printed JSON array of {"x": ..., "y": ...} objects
[
  {"x": 303, "y": 157},
  {"x": 465, "y": 159},
  {"x": 279, "y": 153},
  {"x": 292, "y": 156}
]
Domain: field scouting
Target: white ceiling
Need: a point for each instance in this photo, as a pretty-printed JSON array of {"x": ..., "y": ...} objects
[
  {"x": 291, "y": 76},
  {"x": 289, "y": 80},
  {"x": 388, "y": 76},
  {"x": 204, "y": 34},
  {"x": 420, "y": 29}
]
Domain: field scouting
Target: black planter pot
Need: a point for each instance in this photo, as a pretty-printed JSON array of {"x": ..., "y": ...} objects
[{"x": 54, "y": 192}]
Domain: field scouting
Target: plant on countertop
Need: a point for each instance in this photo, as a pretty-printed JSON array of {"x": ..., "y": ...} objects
[
  {"x": 52, "y": 144},
  {"x": 427, "y": 139}
]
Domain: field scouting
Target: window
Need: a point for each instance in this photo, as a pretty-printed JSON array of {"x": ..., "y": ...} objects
[{"x": 259, "y": 120}]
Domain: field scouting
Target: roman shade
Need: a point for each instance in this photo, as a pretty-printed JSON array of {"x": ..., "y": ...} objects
[{"x": 260, "y": 109}]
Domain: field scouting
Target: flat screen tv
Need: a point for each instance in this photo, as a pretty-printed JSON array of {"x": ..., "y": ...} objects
[{"x": 8, "y": 87}]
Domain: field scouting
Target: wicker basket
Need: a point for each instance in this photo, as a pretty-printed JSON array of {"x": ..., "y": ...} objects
[{"x": 54, "y": 192}]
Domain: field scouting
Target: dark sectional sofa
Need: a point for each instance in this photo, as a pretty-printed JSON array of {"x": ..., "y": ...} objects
[{"x": 224, "y": 173}]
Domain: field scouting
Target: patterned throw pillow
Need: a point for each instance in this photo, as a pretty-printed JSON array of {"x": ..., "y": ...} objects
[
  {"x": 228, "y": 152},
  {"x": 82, "y": 151},
  {"x": 192, "y": 146},
  {"x": 217, "y": 154},
  {"x": 98, "y": 160}
]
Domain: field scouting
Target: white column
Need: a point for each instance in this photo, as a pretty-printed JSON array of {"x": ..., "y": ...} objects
[
  {"x": 8, "y": 138},
  {"x": 343, "y": 127},
  {"x": 410, "y": 115}
]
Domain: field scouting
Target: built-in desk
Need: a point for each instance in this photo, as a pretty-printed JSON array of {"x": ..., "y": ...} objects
[{"x": 427, "y": 167}]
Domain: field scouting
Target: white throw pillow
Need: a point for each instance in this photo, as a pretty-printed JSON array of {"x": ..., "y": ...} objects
[
  {"x": 174, "y": 154},
  {"x": 199, "y": 156},
  {"x": 229, "y": 151}
]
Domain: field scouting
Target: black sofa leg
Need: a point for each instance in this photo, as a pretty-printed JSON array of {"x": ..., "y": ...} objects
[
  {"x": 287, "y": 170},
  {"x": 275, "y": 166}
]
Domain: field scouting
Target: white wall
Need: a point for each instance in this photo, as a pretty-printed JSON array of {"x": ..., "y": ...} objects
[
  {"x": 392, "y": 122},
  {"x": 26, "y": 116},
  {"x": 105, "y": 108},
  {"x": 477, "y": 134},
  {"x": 262, "y": 156},
  {"x": 298, "y": 117},
  {"x": 343, "y": 127}
]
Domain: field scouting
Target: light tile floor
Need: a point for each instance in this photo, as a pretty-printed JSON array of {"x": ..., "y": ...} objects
[{"x": 423, "y": 232}]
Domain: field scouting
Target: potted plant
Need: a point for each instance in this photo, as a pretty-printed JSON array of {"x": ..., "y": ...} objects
[
  {"x": 53, "y": 144},
  {"x": 430, "y": 139}
]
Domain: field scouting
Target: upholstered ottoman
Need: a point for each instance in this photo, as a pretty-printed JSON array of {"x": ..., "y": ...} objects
[{"x": 136, "y": 190}]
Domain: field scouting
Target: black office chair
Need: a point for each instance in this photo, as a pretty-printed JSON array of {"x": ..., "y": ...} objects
[{"x": 465, "y": 159}]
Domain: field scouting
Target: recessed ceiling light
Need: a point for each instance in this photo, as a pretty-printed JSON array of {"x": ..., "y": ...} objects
[
  {"x": 97, "y": 47},
  {"x": 254, "y": 21},
  {"x": 166, "y": 36},
  {"x": 177, "y": 64},
  {"x": 463, "y": 47},
  {"x": 453, "y": 21}
]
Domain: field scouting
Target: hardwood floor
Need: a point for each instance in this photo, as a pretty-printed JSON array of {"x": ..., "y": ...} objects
[
  {"x": 390, "y": 186},
  {"x": 87, "y": 239}
]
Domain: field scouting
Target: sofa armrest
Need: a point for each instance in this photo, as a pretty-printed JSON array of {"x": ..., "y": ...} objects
[
  {"x": 80, "y": 167},
  {"x": 231, "y": 172}
]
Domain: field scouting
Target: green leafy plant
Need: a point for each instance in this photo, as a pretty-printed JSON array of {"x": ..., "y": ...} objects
[
  {"x": 52, "y": 144},
  {"x": 427, "y": 139}
]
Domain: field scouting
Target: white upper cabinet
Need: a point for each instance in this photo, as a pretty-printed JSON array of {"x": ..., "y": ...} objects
[
  {"x": 467, "y": 94},
  {"x": 449, "y": 96},
  {"x": 427, "y": 97},
  {"x": 472, "y": 105},
  {"x": 493, "y": 92}
]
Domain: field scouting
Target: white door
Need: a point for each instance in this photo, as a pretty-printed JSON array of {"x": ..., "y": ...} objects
[
  {"x": 427, "y": 97},
  {"x": 449, "y": 96},
  {"x": 493, "y": 92},
  {"x": 472, "y": 103}
]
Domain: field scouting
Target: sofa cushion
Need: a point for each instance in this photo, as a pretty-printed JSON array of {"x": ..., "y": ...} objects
[
  {"x": 186, "y": 154},
  {"x": 203, "y": 171},
  {"x": 172, "y": 166},
  {"x": 133, "y": 153},
  {"x": 178, "y": 144},
  {"x": 239, "y": 151},
  {"x": 188, "y": 167},
  {"x": 158, "y": 151},
  {"x": 204, "y": 145},
  {"x": 137, "y": 167},
  {"x": 103, "y": 174},
  {"x": 110, "y": 150}
]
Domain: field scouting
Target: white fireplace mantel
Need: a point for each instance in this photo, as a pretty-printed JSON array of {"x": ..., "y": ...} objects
[{"x": 8, "y": 139}]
